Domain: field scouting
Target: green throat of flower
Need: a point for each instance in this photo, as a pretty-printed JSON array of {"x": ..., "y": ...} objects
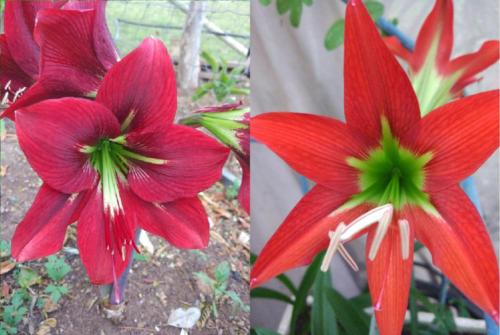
[
  {"x": 112, "y": 160},
  {"x": 391, "y": 174}
]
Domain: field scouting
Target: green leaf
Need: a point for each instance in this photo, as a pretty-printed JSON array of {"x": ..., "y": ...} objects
[
  {"x": 324, "y": 321},
  {"x": 222, "y": 272},
  {"x": 267, "y": 293},
  {"x": 307, "y": 2},
  {"x": 205, "y": 278},
  {"x": 283, "y": 6},
  {"x": 56, "y": 292},
  {"x": 296, "y": 13},
  {"x": 303, "y": 291},
  {"x": 237, "y": 300},
  {"x": 28, "y": 277},
  {"x": 335, "y": 35},
  {"x": 57, "y": 268},
  {"x": 375, "y": 8},
  {"x": 265, "y": 2},
  {"x": 353, "y": 320},
  {"x": 263, "y": 331},
  {"x": 239, "y": 91},
  {"x": 212, "y": 62},
  {"x": 288, "y": 283},
  {"x": 4, "y": 246},
  {"x": 202, "y": 90}
]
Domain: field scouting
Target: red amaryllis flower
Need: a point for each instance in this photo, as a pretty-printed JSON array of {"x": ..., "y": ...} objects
[
  {"x": 230, "y": 124},
  {"x": 116, "y": 164},
  {"x": 387, "y": 154},
  {"x": 66, "y": 53},
  {"x": 436, "y": 78}
]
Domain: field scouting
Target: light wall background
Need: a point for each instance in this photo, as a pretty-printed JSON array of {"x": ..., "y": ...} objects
[{"x": 292, "y": 71}]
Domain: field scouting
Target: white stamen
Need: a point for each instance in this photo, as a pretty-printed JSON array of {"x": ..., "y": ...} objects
[
  {"x": 404, "y": 231},
  {"x": 18, "y": 93},
  {"x": 335, "y": 237},
  {"x": 7, "y": 86},
  {"x": 366, "y": 220},
  {"x": 349, "y": 260},
  {"x": 123, "y": 252},
  {"x": 383, "y": 226}
]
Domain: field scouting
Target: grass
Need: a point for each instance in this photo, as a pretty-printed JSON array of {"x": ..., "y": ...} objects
[{"x": 232, "y": 16}]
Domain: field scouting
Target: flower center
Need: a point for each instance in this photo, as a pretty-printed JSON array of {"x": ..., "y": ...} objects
[
  {"x": 112, "y": 160},
  {"x": 391, "y": 174}
]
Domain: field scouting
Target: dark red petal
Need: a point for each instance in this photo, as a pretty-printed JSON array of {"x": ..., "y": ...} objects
[
  {"x": 461, "y": 247},
  {"x": 375, "y": 84},
  {"x": 315, "y": 146},
  {"x": 461, "y": 135},
  {"x": 91, "y": 242},
  {"x": 42, "y": 231},
  {"x": 142, "y": 83},
  {"x": 183, "y": 222},
  {"x": 473, "y": 63},
  {"x": 303, "y": 234},
  {"x": 244, "y": 193},
  {"x": 437, "y": 28},
  {"x": 19, "y": 24},
  {"x": 194, "y": 162},
  {"x": 394, "y": 44},
  {"x": 68, "y": 55},
  {"x": 51, "y": 134},
  {"x": 389, "y": 277},
  {"x": 11, "y": 71},
  {"x": 103, "y": 42}
]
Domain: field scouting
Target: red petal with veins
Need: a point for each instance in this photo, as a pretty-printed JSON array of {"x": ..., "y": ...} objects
[
  {"x": 42, "y": 231},
  {"x": 51, "y": 134},
  {"x": 91, "y": 242},
  {"x": 375, "y": 84},
  {"x": 142, "y": 87},
  {"x": 70, "y": 63},
  {"x": 389, "y": 278},
  {"x": 303, "y": 234},
  {"x": 194, "y": 162},
  {"x": 244, "y": 193},
  {"x": 437, "y": 28},
  {"x": 393, "y": 43},
  {"x": 461, "y": 135},
  {"x": 315, "y": 146},
  {"x": 461, "y": 247},
  {"x": 11, "y": 71},
  {"x": 473, "y": 63},
  {"x": 183, "y": 222}
]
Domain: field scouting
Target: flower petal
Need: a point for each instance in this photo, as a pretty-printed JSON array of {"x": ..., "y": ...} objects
[
  {"x": 375, "y": 84},
  {"x": 244, "y": 193},
  {"x": 437, "y": 32},
  {"x": 19, "y": 23},
  {"x": 193, "y": 162},
  {"x": 394, "y": 44},
  {"x": 183, "y": 222},
  {"x": 42, "y": 231},
  {"x": 389, "y": 277},
  {"x": 303, "y": 234},
  {"x": 461, "y": 247},
  {"x": 11, "y": 71},
  {"x": 51, "y": 134},
  {"x": 315, "y": 146},
  {"x": 142, "y": 87},
  {"x": 461, "y": 135},
  {"x": 97, "y": 260},
  {"x": 473, "y": 63}
]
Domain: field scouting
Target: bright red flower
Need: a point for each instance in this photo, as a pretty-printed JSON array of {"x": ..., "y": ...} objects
[
  {"x": 230, "y": 124},
  {"x": 114, "y": 165},
  {"x": 435, "y": 77},
  {"x": 55, "y": 49},
  {"x": 386, "y": 153}
]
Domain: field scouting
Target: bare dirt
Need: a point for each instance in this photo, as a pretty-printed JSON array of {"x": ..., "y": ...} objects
[{"x": 157, "y": 286}]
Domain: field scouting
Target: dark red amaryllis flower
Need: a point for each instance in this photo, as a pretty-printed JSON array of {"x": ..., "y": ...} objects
[
  {"x": 114, "y": 165},
  {"x": 53, "y": 49},
  {"x": 436, "y": 77},
  {"x": 386, "y": 154},
  {"x": 230, "y": 124}
]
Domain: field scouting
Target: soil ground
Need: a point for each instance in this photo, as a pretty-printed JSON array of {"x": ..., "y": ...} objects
[{"x": 156, "y": 287}]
